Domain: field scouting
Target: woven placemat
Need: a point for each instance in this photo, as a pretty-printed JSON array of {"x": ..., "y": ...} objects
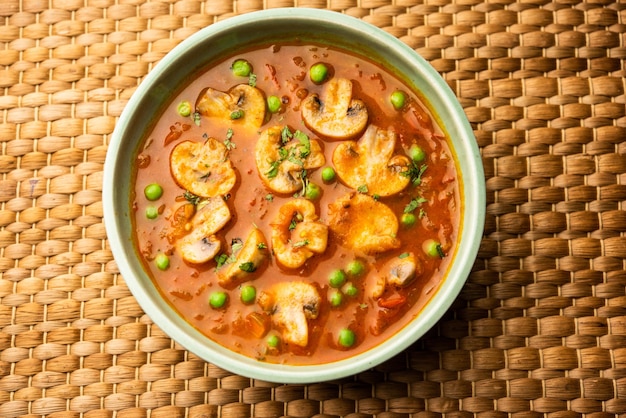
[{"x": 538, "y": 330}]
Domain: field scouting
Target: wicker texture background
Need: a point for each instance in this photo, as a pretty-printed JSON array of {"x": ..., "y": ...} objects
[{"x": 540, "y": 327}]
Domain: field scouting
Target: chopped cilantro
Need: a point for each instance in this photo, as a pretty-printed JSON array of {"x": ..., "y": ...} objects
[
  {"x": 285, "y": 134},
  {"x": 273, "y": 171},
  {"x": 252, "y": 80},
  {"x": 301, "y": 243},
  {"x": 191, "y": 198},
  {"x": 362, "y": 188},
  {"x": 403, "y": 255},
  {"x": 415, "y": 173},
  {"x": 237, "y": 114},
  {"x": 269, "y": 197},
  {"x": 196, "y": 118},
  {"x": 248, "y": 267},
  {"x": 414, "y": 204},
  {"x": 221, "y": 260},
  {"x": 228, "y": 143},
  {"x": 305, "y": 143},
  {"x": 261, "y": 246}
]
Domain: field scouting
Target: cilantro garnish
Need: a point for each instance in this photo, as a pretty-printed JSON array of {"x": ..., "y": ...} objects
[
  {"x": 252, "y": 80},
  {"x": 237, "y": 114},
  {"x": 196, "y": 118},
  {"x": 414, "y": 204},
  {"x": 415, "y": 173},
  {"x": 228, "y": 143},
  {"x": 248, "y": 267},
  {"x": 301, "y": 243},
  {"x": 191, "y": 198}
]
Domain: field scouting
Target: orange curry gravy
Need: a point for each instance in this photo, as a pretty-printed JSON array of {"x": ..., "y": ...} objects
[{"x": 283, "y": 70}]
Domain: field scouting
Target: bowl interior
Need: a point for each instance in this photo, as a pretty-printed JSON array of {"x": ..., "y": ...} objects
[{"x": 188, "y": 60}]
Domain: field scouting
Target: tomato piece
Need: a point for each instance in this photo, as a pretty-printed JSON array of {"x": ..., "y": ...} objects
[{"x": 392, "y": 302}]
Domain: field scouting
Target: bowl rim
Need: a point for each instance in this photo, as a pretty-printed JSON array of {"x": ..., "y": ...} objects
[{"x": 163, "y": 315}]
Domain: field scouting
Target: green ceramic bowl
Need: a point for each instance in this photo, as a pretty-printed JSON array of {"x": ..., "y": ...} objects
[{"x": 188, "y": 60}]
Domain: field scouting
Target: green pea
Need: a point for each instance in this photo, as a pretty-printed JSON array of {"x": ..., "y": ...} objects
[
  {"x": 273, "y": 341},
  {"x": 318, "y": 72},
  {"x": 184, "y": 108},
  {"x": 218, "y": 299},
  {"x": 337, "y": 278},
  {"x": 432, "y": 248},
  {"x": 152, "y": 212},
  {"x": 350, "y": 289},
  {"x": 312, "y": 191},
  {"x": 237, "y": 114},
  {"x": 241, "y": 68},
  {"x": 328, "y": 174},
  {"x": 162, "y": 261},
  {"x": 408, "y": 220},
  {"x": 347, "y": 338},
  {"x": 355, "y": 268},
  {"x": 416, "y": 153},
  {"x": 273, "y": 104},
  {"x": 153, "y": 191},
  {"x": 335, "y": 299},
  {"x": 248, "y": 294},
  {"x": 397, "y": 99}
]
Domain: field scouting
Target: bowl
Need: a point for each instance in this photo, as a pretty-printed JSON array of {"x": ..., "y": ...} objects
[{"x": 189, "y": 59}]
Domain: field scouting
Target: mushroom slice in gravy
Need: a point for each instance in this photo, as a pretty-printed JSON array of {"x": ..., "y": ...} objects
[
  {"x": 201, "y": 244},
  {"x": 371, "y": 162},
  {"x": 249, "y": 260},
  {"x": 292, "y": 305},
  {"x": 363, "y": 224},
  {"x": 281, "y": 160},
  {"x": 336, "y": 115},
  {"x": 242, "y": 105},
  {"x": 297, "y": 235},
  {"x": 203, "y": 168}
]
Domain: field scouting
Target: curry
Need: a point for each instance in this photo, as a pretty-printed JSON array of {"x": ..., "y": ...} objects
[{"x": 297, "y": 203}]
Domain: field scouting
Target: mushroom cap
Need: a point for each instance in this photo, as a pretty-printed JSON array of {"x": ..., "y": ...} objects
[
  {"x": 293, "y": 304},
  {"x": 280, "y": 174},
  {"x": 203, "y": 168},
  {"x": 363, "y": 224},
  {"x": 197, "y": 248},
  {"x": 253, "y": 251},
  {"x": 293, "y": 246},
  {"x": 371, "y": 162},
  {"x": 336, "y": 115},
  {"x": 243, "y": 97},
  {"x": 201, "y": 244},
  {"x": 401, "y": 271}
]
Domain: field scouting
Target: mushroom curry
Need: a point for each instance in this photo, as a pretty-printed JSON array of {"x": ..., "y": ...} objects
[{"x": 297, "y": 204}]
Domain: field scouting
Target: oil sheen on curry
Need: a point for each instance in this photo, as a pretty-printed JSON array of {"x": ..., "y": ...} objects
[{"x": 297, "y": 204}]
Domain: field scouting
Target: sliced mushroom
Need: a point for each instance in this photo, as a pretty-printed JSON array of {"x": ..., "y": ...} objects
[
  {"x": 297, "y": 235},
  {"x": 248, "y": 260},
  {"x": 370, "y": 162},
  {"x": 402, "y": 270},
  {"x": 197, "y": 248},
  {"x": 242, "y": 105},
  {"x": 337, "y": 115},
  {"x": 280, "y": 165},
  {"x": 292, "y": 304},
  {"x": 201, "y": 244},
  {"x": 203, "y": 168},
  {"x": 363, "y": 224}
]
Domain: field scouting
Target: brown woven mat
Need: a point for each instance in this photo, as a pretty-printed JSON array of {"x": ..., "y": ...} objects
[{"x": 540, "y": 328}]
